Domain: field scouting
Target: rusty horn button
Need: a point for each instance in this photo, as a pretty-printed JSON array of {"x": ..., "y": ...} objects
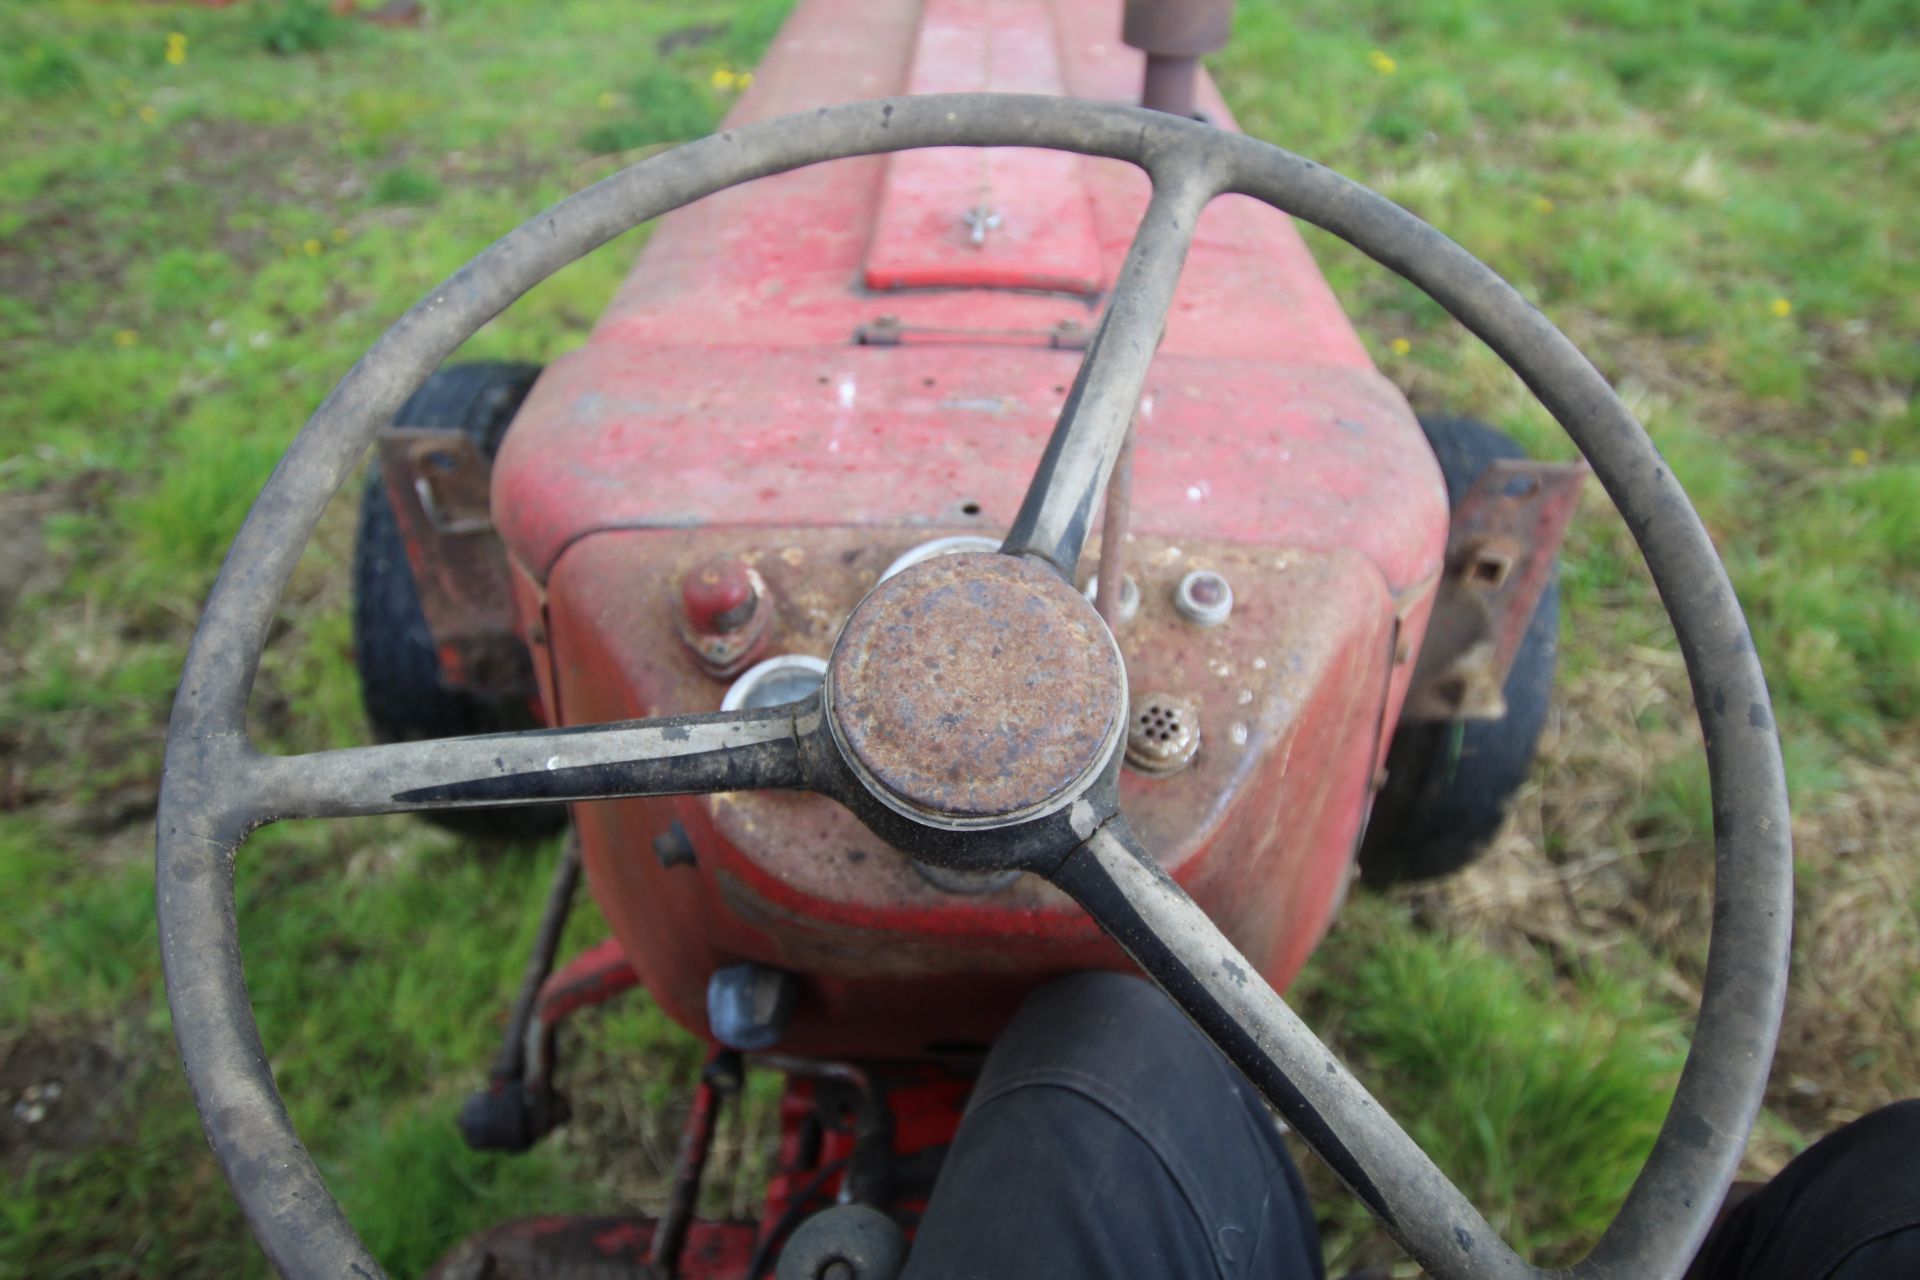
[{"x": 976, "y": 691}]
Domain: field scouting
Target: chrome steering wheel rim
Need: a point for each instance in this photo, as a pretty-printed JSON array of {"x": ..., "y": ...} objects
[{"x": 217, "y": 788}]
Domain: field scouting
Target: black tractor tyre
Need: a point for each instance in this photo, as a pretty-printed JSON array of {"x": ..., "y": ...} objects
[
  {"x": 1449, "y": 783},
  {"x": 400, "y": 680}
]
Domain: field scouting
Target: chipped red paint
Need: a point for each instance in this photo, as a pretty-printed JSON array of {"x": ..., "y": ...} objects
[
  {"x": 724, "y": 387},
  {"x": 724, "y": 407},
  {"x": 724, "y": 614},
  {"x": 718, "y": 596},
  {"x": 1291, "y": 692},
  {"x": 944, "y": 219},
  {"x": 595, "y": 975}
]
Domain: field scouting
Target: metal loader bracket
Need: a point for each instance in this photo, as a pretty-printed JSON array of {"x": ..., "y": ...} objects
[
  {"x": 439, "y": 483},
  {"x": 1506, "y": 533}
]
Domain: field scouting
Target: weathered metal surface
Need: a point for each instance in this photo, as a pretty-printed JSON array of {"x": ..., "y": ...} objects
[
  {"x": 1163, "y": 733},
  {"x": 1109, "y": 389},
  {"x": 1127, "y": 607},
  {"x": 1261, "y": 453},
  {"x": 508, "y": 1115},
  {"x": 1189, "y": 27},
  {"x": 722, "y": 386},
  {"x": 892, "y": 962},
  {"x": 721, "y": 1079},
  {"x": 720, "y": 596},
  {"x": 593, "y": 977},
  {"x": 1506, "y": 532},
  {"x": 999, "y": 218},
  {"x": 1110, "y": 585},
  {"x": 1173, "y": 34},
  {"x": 1204, "y": 598},
  {"x": 438, "y": 484},
  {"x": 975, "y": 687},
  {"x": 724, "y": 615}
]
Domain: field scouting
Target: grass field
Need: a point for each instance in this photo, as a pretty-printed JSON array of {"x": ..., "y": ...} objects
[{"x": 205, "y": 215}]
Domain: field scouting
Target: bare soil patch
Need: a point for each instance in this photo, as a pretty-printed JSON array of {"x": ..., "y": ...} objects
[{"x": 57, "y": 1092}]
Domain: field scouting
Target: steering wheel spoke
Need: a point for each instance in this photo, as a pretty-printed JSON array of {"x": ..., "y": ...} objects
[
  {"x": 1056, "y": 514},
  {"x": 1166, "y": 933},
  {"x": 676, "y": 755}
]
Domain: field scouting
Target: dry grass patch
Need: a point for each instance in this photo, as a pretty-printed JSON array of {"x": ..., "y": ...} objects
[{"x": 1602, "y": 865}]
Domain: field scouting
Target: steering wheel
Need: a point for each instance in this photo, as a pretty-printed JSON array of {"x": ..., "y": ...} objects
[{"x": 1009, "y": 756}]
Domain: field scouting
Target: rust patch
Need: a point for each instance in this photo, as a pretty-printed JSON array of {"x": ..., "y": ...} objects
[
  {"x": 976, "y": 686},
  {"x": 1505, "y": 534},
  {"x": 438, "y": 484}
]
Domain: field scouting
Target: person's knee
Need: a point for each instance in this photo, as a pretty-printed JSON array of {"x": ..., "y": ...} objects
[
  {"x": 1100, "y": 1086},
  {"x": 1846, "y": 1208},
  {"x": 1103, "y": 1025}
]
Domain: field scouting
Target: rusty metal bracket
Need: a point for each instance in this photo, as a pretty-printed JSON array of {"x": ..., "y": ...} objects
[
  {"x": 439, "y": 484},
  {"x": 1505, "y": 535}
]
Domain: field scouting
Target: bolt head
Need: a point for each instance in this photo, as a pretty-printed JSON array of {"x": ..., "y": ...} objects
[
  {"x": 1129, "y": 596},
  {"x": 1203, "y": 598}
]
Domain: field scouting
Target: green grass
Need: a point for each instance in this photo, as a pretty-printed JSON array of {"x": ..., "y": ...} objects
[
  {"x": 1725, "y": 184},
  {"x": 1517, "y": 1080},
  {"x": 1713, "y": 198},
  {"x": 202, "y": 248}
]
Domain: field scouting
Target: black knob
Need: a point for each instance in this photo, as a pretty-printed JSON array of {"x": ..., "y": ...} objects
[{"x": 847, "y": 1242}]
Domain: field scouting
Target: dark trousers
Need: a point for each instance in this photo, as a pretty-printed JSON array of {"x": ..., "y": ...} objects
[
  {"x": 1846, "y": 1208},
  {"x": 1108, "y": 1138}
]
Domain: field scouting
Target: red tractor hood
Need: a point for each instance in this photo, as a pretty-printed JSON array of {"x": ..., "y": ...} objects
[
  {"x": 815, "y": 372},
  {"x": 738, "y": 377}
]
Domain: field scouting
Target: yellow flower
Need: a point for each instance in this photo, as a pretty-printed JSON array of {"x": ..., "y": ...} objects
[
  {"x": 176, "y": 48},
  {"x": 313, "y": 248},
  {"x": 148, "y": 115},
  {"x": 340, "y": 235},
  {"x": 744, "y": 79},
  {"x": 606, "y": 101},
  {"x": 125, "y": 338},
  {"x": 1382, "y": 63},
  {"x": 1542, "y": 204},
  {"x": 1859, "y": 457},
  {"x": 1780, "y": 307},
  {"x": 1400, "y": 346}
]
